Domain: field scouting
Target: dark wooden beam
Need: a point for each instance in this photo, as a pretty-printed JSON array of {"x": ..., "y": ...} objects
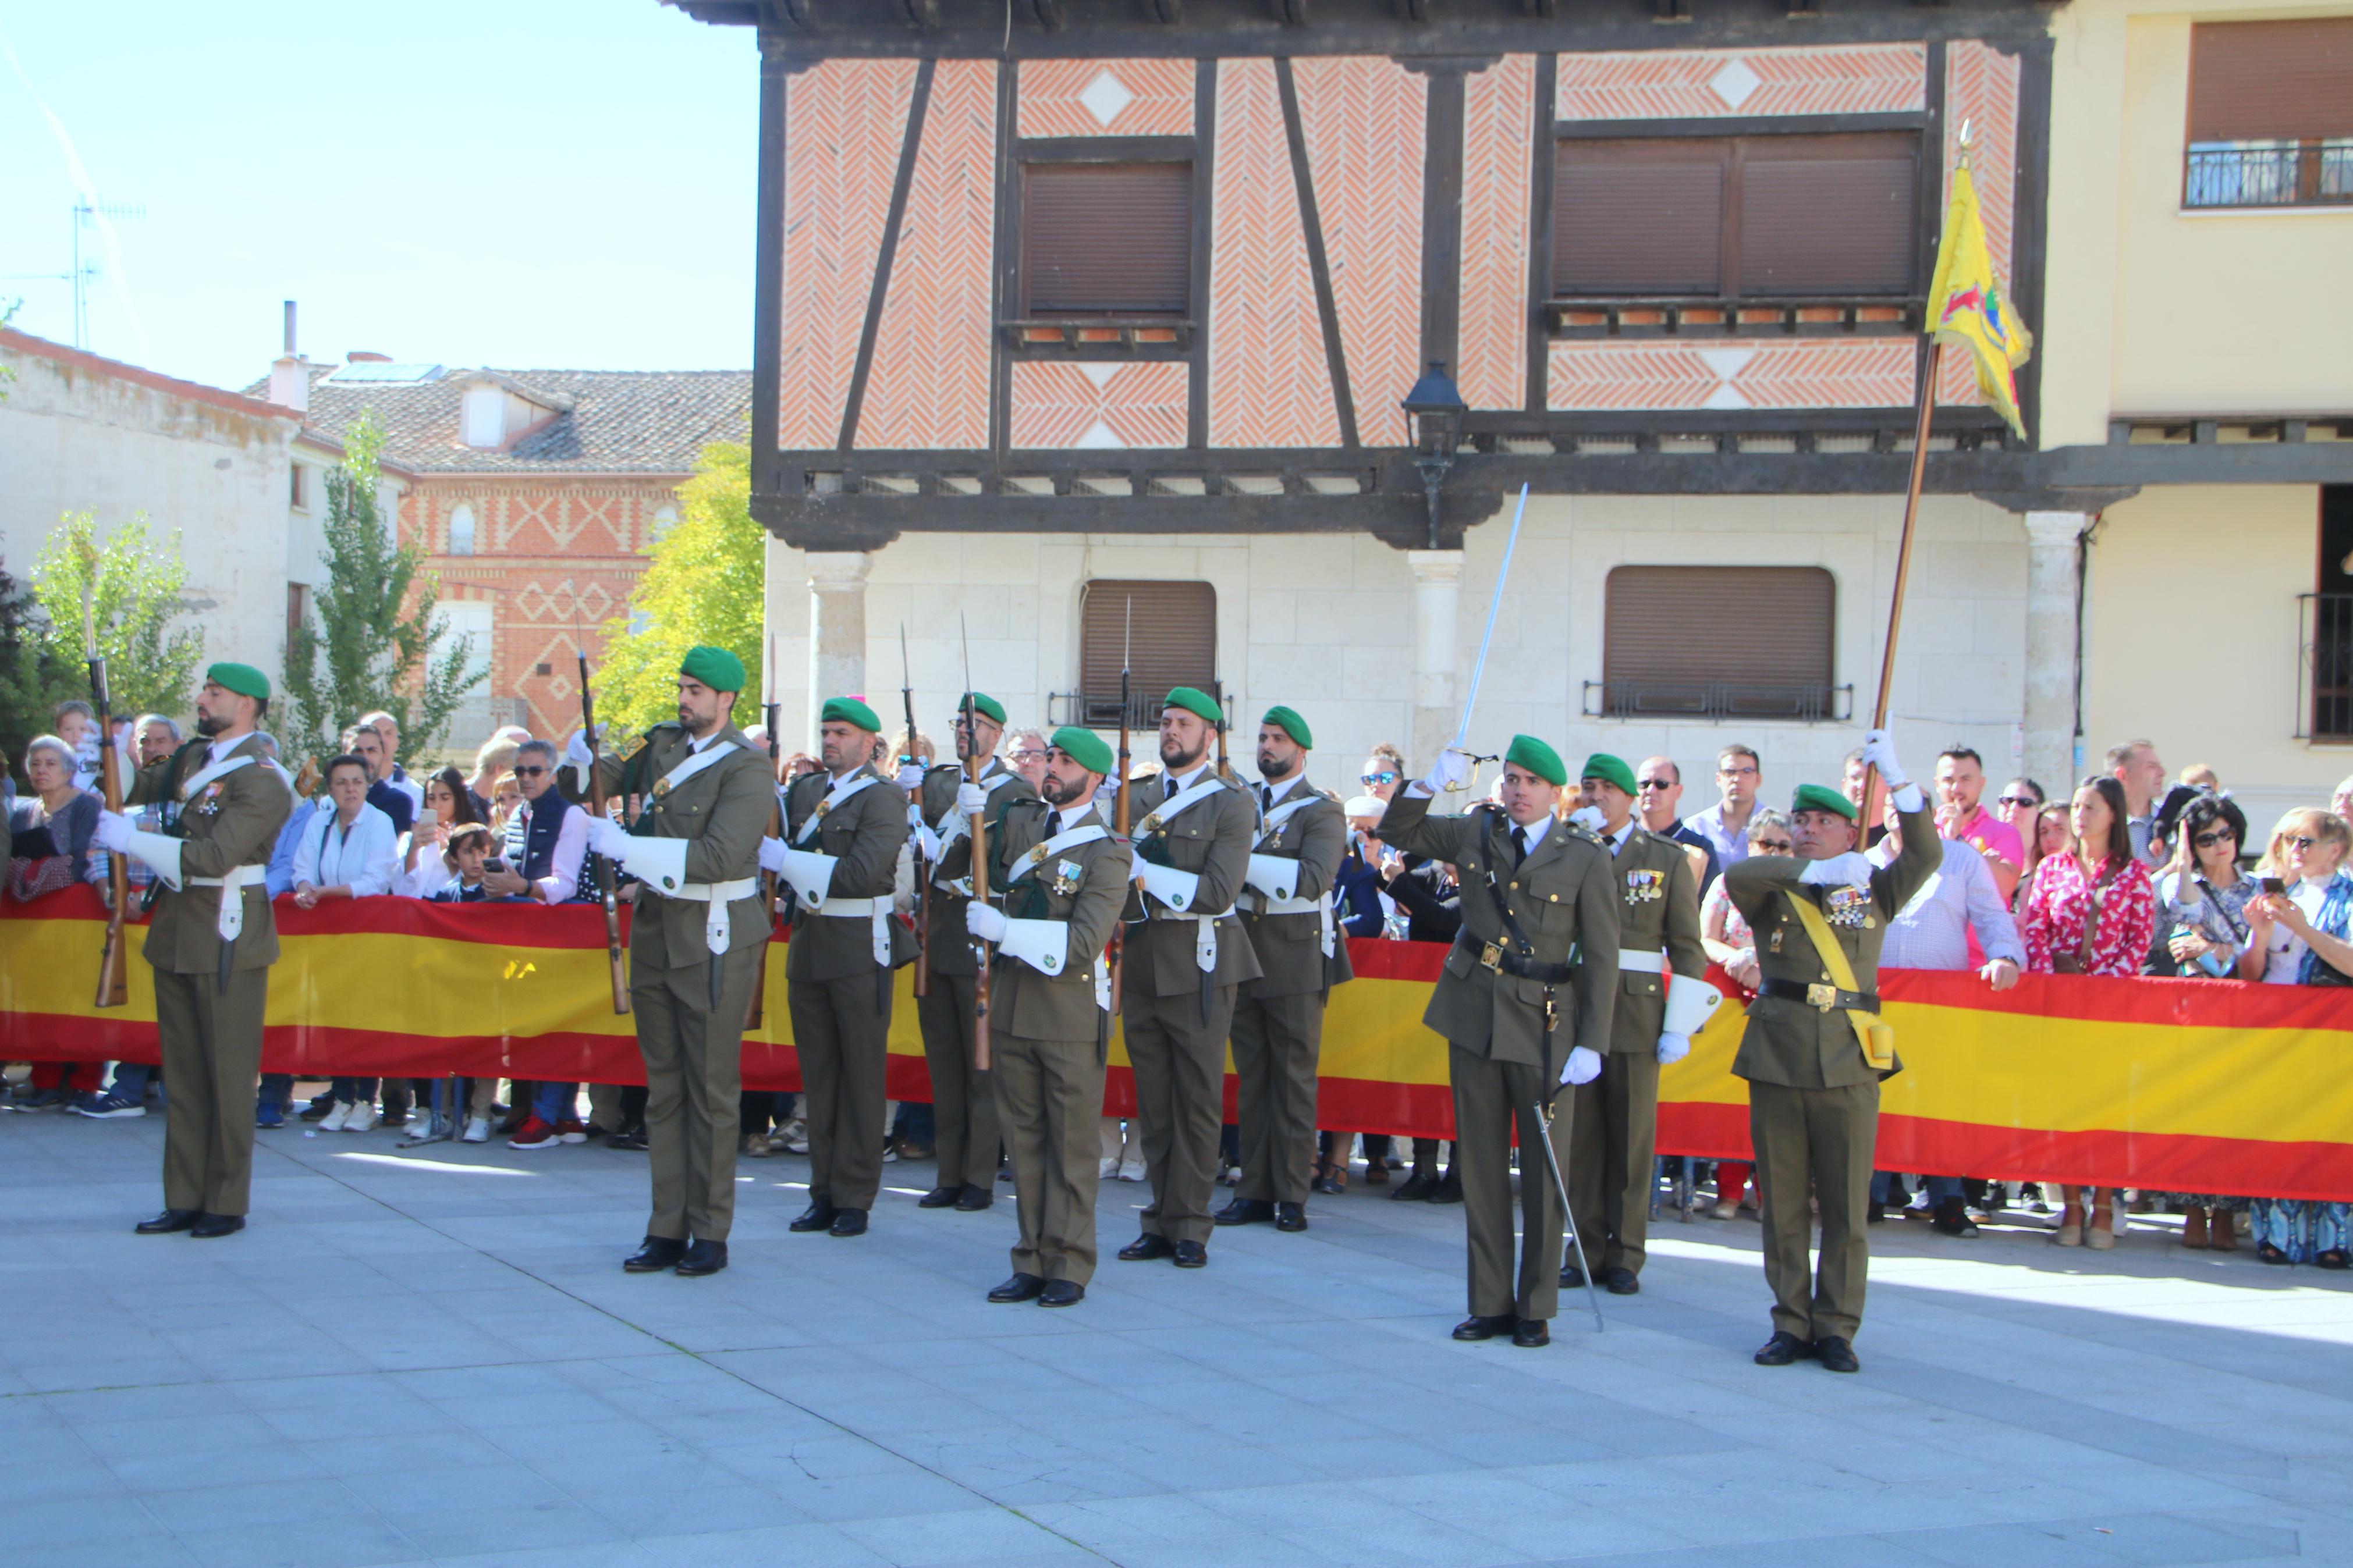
[
  {"x": 924, "y": 14},
  {"x": 1737, "y": 125},
  {"x": 1544, "y": 159},
  {"x": 1319, "y": 262},
  {"x": 1050, "y": 14},
  {"x": 1442, "y": 220},
  {"x": 768, "y": 264},
  {"x": 855, "y": 403},
  {"x": 1169, "y": 13},
  {"x": 1105, "y": 149},
  {"x": 1203, "y": 245},
  {"x": 1005, "y": 281},
  {"x": 2031, "y": 227}
]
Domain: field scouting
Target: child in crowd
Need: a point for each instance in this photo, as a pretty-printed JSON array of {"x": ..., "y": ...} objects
[{"x": 469, "y": 849}]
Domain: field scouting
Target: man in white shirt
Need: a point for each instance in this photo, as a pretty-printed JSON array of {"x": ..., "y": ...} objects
[
  {"x": 1726, "y": 824},
  {"x": 547, "y": 838}
]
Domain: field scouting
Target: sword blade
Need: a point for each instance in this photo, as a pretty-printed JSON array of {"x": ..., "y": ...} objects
[{"x": 1494, "y": 603}]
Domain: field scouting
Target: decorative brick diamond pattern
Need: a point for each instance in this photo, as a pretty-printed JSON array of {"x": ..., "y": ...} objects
[
  {"x": 1366, "y": 122},
  {"x": 1053, "y": 98},
  {"x": 1672, "y": 84},
  {"x": 1498, "y": 111},
  {"x": 844, "y": 122},
  {"x": 1872, "y": 373},
  {"x": 1981, "y": 87},
  {"x": 929, "y": 387},
  {"x": 1060, "y": 403},
  {"x": 1269, "y": 384}
]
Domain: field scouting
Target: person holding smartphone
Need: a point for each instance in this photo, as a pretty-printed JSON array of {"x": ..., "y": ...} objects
[{"x": 2202, "y": 899}]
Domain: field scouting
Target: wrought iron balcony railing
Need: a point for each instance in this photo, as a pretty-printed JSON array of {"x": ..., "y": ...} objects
[{"x": 2278, "y": 174}]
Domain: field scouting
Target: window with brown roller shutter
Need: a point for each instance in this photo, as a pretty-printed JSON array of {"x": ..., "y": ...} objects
[
  {"x": 1106, "y": 239},
  {"x": 1753, "y": 642},
  {"x": 1166, "y": 632},
  {"x": 2271, "y": 114}
]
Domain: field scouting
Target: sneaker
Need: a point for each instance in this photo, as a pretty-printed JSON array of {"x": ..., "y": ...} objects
[
  {"x": 477, "y": 1131},
  {"x": 46, "y": 1100},
  {"x": 363, "y": 1117},
  {"x": 916, "y": 1151},
  {"x": 534, "y": 1134},
  {"x": 334, "y": 1118},
  {"x": 269, "y": 1114},
  {"x": 1107, "y": 1169},
  {"x": 1131, "y": 1171},
  {"x": 104, "y": 1107},
  {"x": 890, "y": 1154},
  {"x": 570, "y": 1131}
]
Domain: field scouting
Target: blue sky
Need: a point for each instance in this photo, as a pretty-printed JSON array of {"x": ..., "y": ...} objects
[{"x": 514, "y": 183}]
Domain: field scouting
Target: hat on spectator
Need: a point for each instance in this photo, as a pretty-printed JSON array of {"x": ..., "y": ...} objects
[
  {"x": 1196, "y": 702},
  {"x": 984, "y": 705},
  {"x": 1085, "y": 748},
  {"x": 1822, "y": 797},
  {"x": 714, "y": 667},
  {"x": 1365, "y": 806},
  {"x": 1609, "y": 770},
  {"x": 241, "y": 678},
  {"x": 1528, "y": 752},
  {"x": 849, "y": 710},
  {"x": 1288, "y": 720}
]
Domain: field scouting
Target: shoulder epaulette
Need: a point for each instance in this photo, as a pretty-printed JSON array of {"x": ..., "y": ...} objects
[{"x": 1578, "y": 830}]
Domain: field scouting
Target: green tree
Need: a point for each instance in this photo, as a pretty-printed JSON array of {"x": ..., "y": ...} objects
[
  {"x": 372, "y": 639},
  {"x": 704, "y": 582},
  {"x": 134, "y": 582}
]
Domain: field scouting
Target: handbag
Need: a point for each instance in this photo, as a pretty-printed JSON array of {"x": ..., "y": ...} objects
[{"x": 2080, "y": 960}]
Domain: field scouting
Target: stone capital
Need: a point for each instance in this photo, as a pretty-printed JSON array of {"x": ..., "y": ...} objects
[
  {"x": 2050, "y": 530},
  {"x": 832, "y": 570},
  {"x": 1435, "y": 568}
]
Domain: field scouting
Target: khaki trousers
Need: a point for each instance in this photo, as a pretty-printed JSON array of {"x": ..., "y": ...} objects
[
  {"x": 843, "y": 1039},
  {"x": 694, "y": 1081},
  {"x": 1049, "y": 1098},
  {"x": 963, "y": 1099},
  {"x": 211, "y": 1046},
  {"x": 1821, "y": 1139},
  {"x": 1493, "y": 1100},
  {"x": 1613, "y": 1142},
  {"x": 1276, "y": 1042},
  {"x": 1180, "y": 1098}
]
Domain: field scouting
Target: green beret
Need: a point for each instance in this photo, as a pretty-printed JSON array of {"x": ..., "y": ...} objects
[
  {"x": 984, "y": 705},
  {"x": 1196, "y": 702},
  {"x": 1609, "y": 770},
  {"x": 850, "y": 710},
  {"x": 1085, "y": 748},
  {"x": 1538, "y": 759},
  {"x": 1822, "y": 797},
  {"x": 714, "y": 667},
  {"x": 1288, "y": 720},
  {"x": 241, "y": 678}
]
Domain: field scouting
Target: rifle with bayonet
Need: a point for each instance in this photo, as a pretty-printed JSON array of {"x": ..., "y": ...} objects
[
  {"x": 915, "y": 803},
  {"x": 608, "y": 893},
  {"x": 112, "y": 984},
  {"x": 1116, "y": 951},
  {"x": 753, "y": 1020},
  {"x": 980, "y": 825}
]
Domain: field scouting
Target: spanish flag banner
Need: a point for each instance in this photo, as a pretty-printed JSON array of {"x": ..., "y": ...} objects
[
  {"x": 1967, "y": 306},
  {"x": 2179, "y": 1085}
]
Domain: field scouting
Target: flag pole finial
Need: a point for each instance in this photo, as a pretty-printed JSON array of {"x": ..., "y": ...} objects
[{"x": 1961, "y": 153}]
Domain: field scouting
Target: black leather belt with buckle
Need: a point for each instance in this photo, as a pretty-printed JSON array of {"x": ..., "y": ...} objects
[
  {"x": 1821, "y": 996},
  {"x": 1494, "y": 956}
]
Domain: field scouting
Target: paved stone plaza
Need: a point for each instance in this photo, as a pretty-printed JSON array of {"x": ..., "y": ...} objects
[{"x": 436, "y": 1358}]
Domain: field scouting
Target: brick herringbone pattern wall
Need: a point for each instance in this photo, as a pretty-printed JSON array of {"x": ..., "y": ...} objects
[
  {"x": 1874, "y": 372},
  {"x": 1053, "y": 98},
  {"x": 1675, "y": 83},
  {"x": 1099, "y": 404},
  {"x": 929, "y": 387},
  {"x": 844, "y": 122},
  {"x": 1365, "y": 122},
  {"x": 1499, "y": 118},
  {"x": 1981, "y": 88},
  {"x": 1270, "y": 385}
]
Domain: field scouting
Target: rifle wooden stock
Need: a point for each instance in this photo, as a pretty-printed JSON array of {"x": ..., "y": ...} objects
[
  {"x": 979, "y": 896},
  {"x": 923, "y": 881},
  {"x": 1116, "y": 951},
  {"x": 605, "y": 886},
  {"x": 113, "y": 986},
  {"x": 758, "y": 1013}
]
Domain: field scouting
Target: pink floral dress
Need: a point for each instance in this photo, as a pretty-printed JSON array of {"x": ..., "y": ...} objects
[{"x": 2061, "y": 903}]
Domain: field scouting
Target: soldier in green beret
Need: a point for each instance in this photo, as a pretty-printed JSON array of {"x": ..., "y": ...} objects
[
  {"x": 1064, "y": 876},
  {"x": 1185, "y": 955},
  {"x": 696, "y": 942},
  {"x": 1815, "y": 1050},
  {"x": 1524, "y": 1003},
  {"x": 212, "y": 942},
  {"x": 840, "y": 858},
  {"x": 1278, "y": 1029}
]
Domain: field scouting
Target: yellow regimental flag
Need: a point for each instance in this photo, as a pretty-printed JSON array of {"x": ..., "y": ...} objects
[{"x": 1967, "y": 306}]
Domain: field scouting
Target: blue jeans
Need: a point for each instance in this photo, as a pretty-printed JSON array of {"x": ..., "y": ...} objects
[
  {"x": 130, "y": 1080},
  {"x": 556, "y": 1102}
]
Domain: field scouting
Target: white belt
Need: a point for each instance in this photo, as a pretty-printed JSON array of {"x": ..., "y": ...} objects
[
  {"x": 1641, "y": 962},
  {"x": 960, "y": 886},
  {"x": 1318, "y": 906},
  {"x": 231, "y": 919},
  {"x": 1205, "y": 940},
  {"x": 875, "y": 911},
  {"x": 718, "y": 895}
]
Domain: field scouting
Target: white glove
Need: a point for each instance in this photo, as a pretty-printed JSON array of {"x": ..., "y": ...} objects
[
  {"x": 576, "y": 750},
  {"x": 911, "y": 776},
  {"x": 113, "y": 831},
  {"x": 1879, "y": 752},
  {"x": 1589, "y": 817},
  {"x": 772, "y": 857},
  {"x": 1848, "y": 870},
  {"x": 1584, "y": 1066},
  {"x": 985, "y": 922},
  {"x": 1451, "y": 771},
  {"x": 605, "y": 837},
  {"x": 1673, "y": 1048},
  {"x": 927, "y": 842},
  {"x": 971, "y": 799}
]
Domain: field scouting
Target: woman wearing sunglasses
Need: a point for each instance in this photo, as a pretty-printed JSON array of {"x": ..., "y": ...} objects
[
  {"x": 1724, "y": 933},
  {"x": 2203, "y": 898},
  {"x": 2299, "y": 937}
]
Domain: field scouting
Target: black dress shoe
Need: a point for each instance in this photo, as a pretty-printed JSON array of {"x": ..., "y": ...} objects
[
  {"x": 167, "y": 1222},
  {"x": 974, "y": 1199},
  {"x": 1061, "y": 1293},
  {"x": 1448, "y": 1191},
  {"x": 1146, "y": 1247},
  {"x": 1244, "y": 1211},
  {"x": 818, "y": 1215},
  {"x": 1621, "y": 1282},
  {"x": 941, "y": 1197},
  {"x": 659, "y": 1252},
  {"x": 1190, "y": 1254},
  {"x": 1782, "y": 1349},
  {"x": 1478, "y": 1328},
  {"x": 1877, "y": 1214},
  {"x": 628, "y": 1138},
  {"x": 702, "y": 1258},
  {"x": 212, "y": 1225},
  {"x": 847, "y": 1222},
  {"x": 1836, "y": 1354},
  {"x": 1290, "y": 1217},
  {"x": 1532, "y": 1333},
  {"x": 1571, "y": 1277},
  {"x": 1414, "y": 1188},
  {"x": 1952, "y": 1218},
  {"x": 1020, "y": 1288}
]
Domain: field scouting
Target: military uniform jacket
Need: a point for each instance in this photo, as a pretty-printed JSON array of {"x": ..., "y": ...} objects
[
  {"x": 1658, "y": 908},
  {"x": 864, "y": 834},
  {"x": 1213, "y": 839},
  {"x": 723, "y": 809},
  {"x": 946, "y": 944},
  {"x": 1289, "y": 948},
  {"x": 1790, "y": 1042},
  {"x": 1567, "y": 904},
  {"x": 1022, "y": 1001},
  {"x": 232, "y": 821}
]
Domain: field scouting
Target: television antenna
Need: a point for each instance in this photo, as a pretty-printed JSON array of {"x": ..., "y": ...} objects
[{"x": 86, "y": 213}]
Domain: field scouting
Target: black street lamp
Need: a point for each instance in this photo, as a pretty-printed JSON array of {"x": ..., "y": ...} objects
[{"x": 1433, "y": 412}]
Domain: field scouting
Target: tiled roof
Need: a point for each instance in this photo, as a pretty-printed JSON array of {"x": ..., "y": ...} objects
[{"x": 606, "y": 422}]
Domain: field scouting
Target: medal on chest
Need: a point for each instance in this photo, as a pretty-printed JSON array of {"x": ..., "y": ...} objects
[
  {"x": 210, "y": 803},
  {"x": 1849, "y": 907},
  {"x": 1068, "y": 874},
  {"x": 1645, "y": 887}
]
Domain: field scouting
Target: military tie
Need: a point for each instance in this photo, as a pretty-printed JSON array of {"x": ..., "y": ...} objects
[
  {"x": 1519, "y": 846},
  {"x": 1265, "y": 799}
]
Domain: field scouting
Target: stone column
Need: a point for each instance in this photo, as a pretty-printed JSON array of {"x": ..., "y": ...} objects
[
  {"x": 1437, "y": 598},
  {"x": 2051, "y": 639},
  {"x": 837, "y": 581}
]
